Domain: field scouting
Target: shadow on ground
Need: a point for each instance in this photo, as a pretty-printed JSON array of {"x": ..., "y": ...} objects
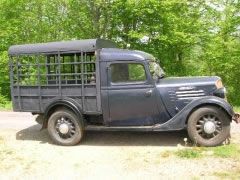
[{"x": 106, "y": 138}]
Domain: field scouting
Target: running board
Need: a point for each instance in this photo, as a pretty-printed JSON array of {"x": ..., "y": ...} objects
[{"x": 118, "y": 128}]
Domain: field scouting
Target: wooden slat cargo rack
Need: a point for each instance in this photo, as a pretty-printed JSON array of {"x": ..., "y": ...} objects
[{"x": 42, "y": 73}]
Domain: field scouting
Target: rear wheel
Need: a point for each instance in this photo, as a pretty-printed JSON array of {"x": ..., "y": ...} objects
[
  {"x": 208, "y": 126},
  {"x": 65, "y": 128}
]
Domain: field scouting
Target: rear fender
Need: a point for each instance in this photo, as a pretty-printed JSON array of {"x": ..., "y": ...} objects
[
  {"x": 65, "y": 103},
  {"x": 179, "y": 121}
]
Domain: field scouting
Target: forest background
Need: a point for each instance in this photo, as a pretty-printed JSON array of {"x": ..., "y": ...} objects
[{"x": 189, "y": 38}]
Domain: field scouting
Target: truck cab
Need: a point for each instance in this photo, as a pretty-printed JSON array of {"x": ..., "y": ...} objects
[
  {"x": 92, "y": 85},
  {"x": 129, "y": 93}
]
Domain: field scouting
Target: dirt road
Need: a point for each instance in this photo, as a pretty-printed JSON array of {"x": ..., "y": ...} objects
[{"x": 28, "y": 152}]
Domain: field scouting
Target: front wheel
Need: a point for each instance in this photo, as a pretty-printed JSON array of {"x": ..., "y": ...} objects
[
  {"x": 208, "y": 126},
  {"x": 65, "y": 128}
]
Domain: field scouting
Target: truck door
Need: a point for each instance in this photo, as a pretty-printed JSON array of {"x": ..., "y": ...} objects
[{"x": 131, "y": 95}]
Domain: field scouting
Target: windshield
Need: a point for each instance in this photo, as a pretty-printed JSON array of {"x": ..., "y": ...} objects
[{"x": 155, "y": 70}]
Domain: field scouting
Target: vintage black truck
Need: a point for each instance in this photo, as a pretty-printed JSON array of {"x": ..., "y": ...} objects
[{"x": 92, "y": 85}]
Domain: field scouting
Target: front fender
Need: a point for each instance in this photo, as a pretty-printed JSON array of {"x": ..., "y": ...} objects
[{"x": 178, "y": 122}]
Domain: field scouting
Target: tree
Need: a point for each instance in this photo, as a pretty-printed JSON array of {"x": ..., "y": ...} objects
[{"x": 188, "y": 37}]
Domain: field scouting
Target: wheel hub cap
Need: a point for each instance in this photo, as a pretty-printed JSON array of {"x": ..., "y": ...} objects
[
  {"x": 209, "y": 127},
  {"x": 63, "y": 128}
]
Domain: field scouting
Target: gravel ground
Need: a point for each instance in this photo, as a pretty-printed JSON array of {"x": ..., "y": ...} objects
[{"x": 29, "y": 153}]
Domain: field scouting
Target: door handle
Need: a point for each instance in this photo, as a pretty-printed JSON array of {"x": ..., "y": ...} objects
[{"x": 148, "y": 93}]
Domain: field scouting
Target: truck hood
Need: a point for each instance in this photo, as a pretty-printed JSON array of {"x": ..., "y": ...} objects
[
  {"x": 177, "y": 92},
  {"x": 187, "y": 81}
]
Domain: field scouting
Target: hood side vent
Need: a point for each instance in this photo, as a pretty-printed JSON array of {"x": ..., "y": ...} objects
[
  {"x": 186, "y": 94},
  {"x": 191, "y": 94}
]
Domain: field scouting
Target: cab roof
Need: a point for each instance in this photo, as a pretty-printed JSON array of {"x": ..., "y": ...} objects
[
  {"x": 116, "y": 54},
  {"x": 87, "y": 45}
]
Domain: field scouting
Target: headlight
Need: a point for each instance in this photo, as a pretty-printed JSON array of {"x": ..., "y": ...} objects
[{"x": 219, "y": 84}]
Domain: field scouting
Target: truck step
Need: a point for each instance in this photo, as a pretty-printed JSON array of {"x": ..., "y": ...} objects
[{"x": 118, "y": 128}]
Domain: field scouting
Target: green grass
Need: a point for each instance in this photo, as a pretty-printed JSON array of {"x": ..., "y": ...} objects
[
  {"x": 225, "y": 151},
  {"x": 189, "y": 153}
]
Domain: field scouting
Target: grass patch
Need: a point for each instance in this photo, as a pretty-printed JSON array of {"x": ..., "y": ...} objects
[
  {"x": 228, "y": 175},
  {"x": 189, "y": 153},
  {"x": 225, "y": 151}
]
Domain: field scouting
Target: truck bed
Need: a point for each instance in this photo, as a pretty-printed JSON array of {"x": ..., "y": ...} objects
[{"x": 37, "y": 81}]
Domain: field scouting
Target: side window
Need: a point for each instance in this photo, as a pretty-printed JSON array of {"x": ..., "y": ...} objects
[{"x": 127, "y": 72}]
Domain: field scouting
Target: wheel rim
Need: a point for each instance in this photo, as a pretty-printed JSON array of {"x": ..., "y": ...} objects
[
  {"x": 209, "y": 126},
  {"x": 65, "y": 127}
]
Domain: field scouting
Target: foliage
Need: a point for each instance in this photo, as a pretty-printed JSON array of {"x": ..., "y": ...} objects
[
  {"x": 237, "y": 109},
  {"x": 188, "y": 37},
  {"x": 5, "y": 104},
  {"x": 2, "y": 100}
]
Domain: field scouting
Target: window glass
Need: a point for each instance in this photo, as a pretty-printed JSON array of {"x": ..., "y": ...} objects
[{"x": 123, "y": 72}]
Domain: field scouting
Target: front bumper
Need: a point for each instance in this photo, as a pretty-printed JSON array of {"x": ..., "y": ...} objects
[{"x": 236, "y": 117}]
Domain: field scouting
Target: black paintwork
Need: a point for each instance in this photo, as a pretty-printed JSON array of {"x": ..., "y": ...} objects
[
  {"x": 178, "y": 92},
  {"x": 151, "y": 105},
  {"x": 169, "y": 105},
  {"x": 114, "y": 54}
]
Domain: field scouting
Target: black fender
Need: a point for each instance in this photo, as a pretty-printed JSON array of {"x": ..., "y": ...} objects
[
  {"x": 178, "y": 122},
  {"x": 64, "y": 102}
]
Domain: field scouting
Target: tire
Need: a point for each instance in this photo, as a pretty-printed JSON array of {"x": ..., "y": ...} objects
[
  {"x": 201, "y": 133},
  {"x": 74, "y": 126}
]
